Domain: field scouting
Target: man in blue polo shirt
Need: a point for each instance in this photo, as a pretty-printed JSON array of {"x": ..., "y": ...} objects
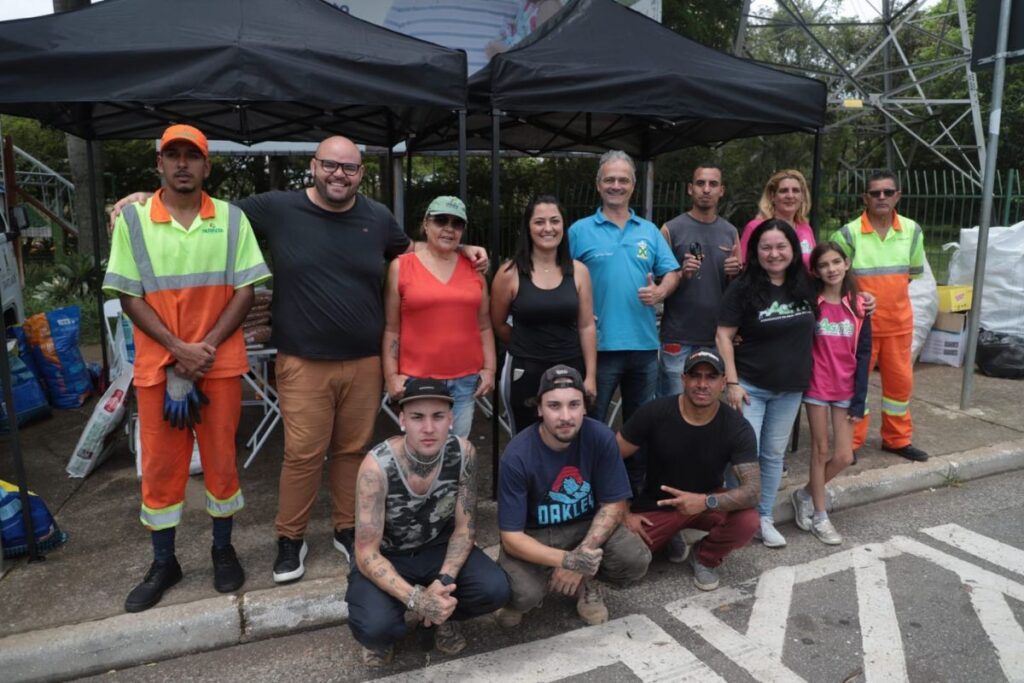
[{"x": 624, "y": 253}]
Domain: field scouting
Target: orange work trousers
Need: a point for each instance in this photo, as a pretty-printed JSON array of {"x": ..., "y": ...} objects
[
  {"x": 893, "y": 358},
  {"x": 167, "y": 451},
  {"x": 328, "y": 407}
]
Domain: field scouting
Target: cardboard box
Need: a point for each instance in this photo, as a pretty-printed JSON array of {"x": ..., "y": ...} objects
[
  {"x": 947, "y": 341},
  {"x": 954, "y": 298}
]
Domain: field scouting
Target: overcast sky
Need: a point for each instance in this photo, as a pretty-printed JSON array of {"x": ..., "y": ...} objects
[{"x": 18, "y": 9}]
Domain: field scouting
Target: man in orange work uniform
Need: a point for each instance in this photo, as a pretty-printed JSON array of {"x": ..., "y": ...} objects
[
  {"x": 886, "y": 251},
  {"x": 184, "y": 265}
]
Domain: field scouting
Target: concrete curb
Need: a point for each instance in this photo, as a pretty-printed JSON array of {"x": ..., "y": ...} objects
[
  {"x": 878, "y": 484},
  {"x": 173, "y": 631}
]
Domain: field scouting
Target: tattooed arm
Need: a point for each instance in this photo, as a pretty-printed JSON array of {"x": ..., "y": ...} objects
[
  {"x": 744, "y": 496},
  {"x": 607, "y": 519},
  {"x": 371, "y": 492},
  {"x": 747, "y": 494},
  {"x": 461, "y": 542},
  {"x": 394, "y": 383}
]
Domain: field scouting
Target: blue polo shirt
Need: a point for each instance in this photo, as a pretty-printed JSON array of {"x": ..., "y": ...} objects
[{"x": 619, "y": 261}]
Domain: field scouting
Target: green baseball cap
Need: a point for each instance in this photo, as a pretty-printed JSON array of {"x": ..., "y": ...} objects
[{"x": 452, "y": 206}]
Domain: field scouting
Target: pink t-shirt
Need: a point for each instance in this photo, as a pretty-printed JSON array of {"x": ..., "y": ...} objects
[
  {"x": 804, "y": 233},
  {"x": 833, "y": 353}
]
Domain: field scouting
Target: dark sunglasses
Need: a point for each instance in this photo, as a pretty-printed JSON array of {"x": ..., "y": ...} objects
[
  {"x": 442, "y": 220},
  {"x": 888, "y": 192}
]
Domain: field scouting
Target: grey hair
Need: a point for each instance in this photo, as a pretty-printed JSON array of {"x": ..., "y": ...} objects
[{"x": 615, "y": 155}]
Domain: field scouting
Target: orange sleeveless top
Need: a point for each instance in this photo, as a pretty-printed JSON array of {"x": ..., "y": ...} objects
[{"x": 440, "y": 334}]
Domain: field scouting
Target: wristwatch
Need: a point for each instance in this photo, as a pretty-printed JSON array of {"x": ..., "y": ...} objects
[
  {"x": 711, "y": 501},
  {"x": 446, "y": 579}
]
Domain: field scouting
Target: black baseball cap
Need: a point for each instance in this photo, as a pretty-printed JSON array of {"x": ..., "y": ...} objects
[
  {"x": 704, "y": 355},
  {"x": 559, "y": 377},
  {"x": 425, "y": 388}
]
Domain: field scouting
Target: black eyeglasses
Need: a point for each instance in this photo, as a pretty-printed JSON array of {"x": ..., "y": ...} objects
[
  {"x": 442, "y": 220},
  {"x": 888, "y": 192},
  {"x": 348, "y": 169}
]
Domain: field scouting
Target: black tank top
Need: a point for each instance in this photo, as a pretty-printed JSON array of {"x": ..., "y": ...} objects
[{"x": 544, "y": 321}]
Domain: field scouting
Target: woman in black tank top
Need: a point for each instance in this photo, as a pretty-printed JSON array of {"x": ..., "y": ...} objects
[{"x": 549, "y": 297}]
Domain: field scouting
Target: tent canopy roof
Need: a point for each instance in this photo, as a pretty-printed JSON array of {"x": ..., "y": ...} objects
[
  {"x": 242, "y": 70},
  {"x": 599, "y": 75}
]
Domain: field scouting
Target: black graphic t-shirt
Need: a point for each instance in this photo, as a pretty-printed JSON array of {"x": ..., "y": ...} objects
[
  {"x": 775, "y": 352},
  {"x": 539, "y": 487}
]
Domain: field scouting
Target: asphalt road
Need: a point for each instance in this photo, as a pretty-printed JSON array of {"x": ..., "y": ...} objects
[{"x": 927, "y": 587}]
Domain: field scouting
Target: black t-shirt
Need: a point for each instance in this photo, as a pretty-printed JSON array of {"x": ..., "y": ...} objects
[
  {"x": 775, "y": 352},
  {"x": 328, "y": 269},
  {"x": 684, "y": 456}
]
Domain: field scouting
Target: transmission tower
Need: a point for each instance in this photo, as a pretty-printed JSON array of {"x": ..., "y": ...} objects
[{"x": 875, "y": 86}]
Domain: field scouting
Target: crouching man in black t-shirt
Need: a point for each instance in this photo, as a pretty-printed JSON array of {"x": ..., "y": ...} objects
[{"x": 690, "y": 438}]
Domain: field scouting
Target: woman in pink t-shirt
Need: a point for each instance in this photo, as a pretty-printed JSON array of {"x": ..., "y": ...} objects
[
  {"x": 839, "y": 384},
  {"x": 785, "y": 196}
]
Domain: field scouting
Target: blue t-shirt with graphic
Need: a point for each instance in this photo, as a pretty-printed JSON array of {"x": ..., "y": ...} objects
[
  {"x": 540, "y": 487},
  {"x": 619, "y": 260}
]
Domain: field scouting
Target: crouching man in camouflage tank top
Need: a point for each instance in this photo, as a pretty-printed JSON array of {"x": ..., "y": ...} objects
[{"x": 415, "y": 532}]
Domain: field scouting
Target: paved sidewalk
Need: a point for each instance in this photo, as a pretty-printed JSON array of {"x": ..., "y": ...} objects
[{"x": 64, "y": 616}]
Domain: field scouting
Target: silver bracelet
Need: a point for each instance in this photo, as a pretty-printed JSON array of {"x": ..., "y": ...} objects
[{"x": 411, "y": 605}]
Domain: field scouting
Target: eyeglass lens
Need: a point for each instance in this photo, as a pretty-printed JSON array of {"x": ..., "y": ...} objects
[
  {"x": 330, "y": 166},
  {"x": 442, "y": 220},
  {"x": 888, "y": 192}
]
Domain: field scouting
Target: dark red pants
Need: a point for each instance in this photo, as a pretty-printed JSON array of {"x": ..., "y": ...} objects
[{"x": 727, "y": 531}]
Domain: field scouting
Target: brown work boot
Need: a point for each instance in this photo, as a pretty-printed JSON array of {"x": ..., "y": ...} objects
[
  {"x": 448, "y": 639},
  {"x": 378, "y": 658},
  {"x": 590, "y": 603}
]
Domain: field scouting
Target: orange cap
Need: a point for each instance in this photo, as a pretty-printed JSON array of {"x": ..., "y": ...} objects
[{"x": 191, "y": 134}]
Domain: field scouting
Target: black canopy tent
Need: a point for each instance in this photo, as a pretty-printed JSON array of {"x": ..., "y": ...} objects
[
  {"x": 601, "y": 76},
  {"x": 242, "y": 70}
]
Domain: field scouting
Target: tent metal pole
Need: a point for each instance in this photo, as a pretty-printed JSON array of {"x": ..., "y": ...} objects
[
  {"x": 495, "y": 260},
  {"x": 389, "y": 175},
  {"x": 988, "y": 184},
  {"x": 19, "y": 464},
  {"x": 463, "y": 169},
  {"x": 399, "y": 189},
  {"x": 816, "y": 182},
  {"x": 649, "y": 189},
  {"x": 97, "y": 272}
]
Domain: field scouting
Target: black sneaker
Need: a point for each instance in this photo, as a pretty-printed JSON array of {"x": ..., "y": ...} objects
[
  {"x": 344, "y": 541},
  {"x": 909, "y": 452},
  {"x": 160, "y": 577},
  {"x": 290, "y": 554},
  {"x": 228, "y": 575}
]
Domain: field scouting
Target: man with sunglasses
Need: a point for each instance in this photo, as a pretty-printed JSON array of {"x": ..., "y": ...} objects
[
  {"x": 886, "y": 251},
  {"x": 329, "y": 245}
]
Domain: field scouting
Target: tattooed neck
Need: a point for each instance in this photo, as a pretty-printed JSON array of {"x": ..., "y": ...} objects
[{"x": 416, "y": 464}]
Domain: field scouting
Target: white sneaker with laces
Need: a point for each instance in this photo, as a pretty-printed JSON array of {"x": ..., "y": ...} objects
[
  {"x": 803, "y": 510},
  {"x": 770, "y": 536},
  {"x": 826, "y": 533}
]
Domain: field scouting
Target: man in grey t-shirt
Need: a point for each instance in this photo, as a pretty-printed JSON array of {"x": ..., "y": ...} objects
[{"x": 707, "y": 247}]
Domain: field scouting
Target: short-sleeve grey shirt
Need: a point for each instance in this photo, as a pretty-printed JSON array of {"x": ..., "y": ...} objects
[{"x": 691, "y": 312}]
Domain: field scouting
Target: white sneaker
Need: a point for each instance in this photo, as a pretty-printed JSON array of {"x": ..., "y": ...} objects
[
  {"x": 826, "y": 533},
  {"x": 803, "y": 510},
  {"x": 770, "y": 536}
]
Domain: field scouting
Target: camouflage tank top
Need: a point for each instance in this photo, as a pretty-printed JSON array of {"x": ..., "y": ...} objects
[{"x": 413, "y": 521}]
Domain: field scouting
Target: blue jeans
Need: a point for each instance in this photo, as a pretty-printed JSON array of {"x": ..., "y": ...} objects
[
  {"x": 771, "y": 414},
  {"x": 670, "y": 369},
  {"x": 461, "y": 389},
  {"x": 635, "y": 374}
]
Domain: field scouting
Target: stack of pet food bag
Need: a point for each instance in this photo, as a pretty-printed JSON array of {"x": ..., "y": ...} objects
[{"x": 256, "y": 326}]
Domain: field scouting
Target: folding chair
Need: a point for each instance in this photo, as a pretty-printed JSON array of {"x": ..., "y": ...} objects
[{"x": 258, "y": 378}]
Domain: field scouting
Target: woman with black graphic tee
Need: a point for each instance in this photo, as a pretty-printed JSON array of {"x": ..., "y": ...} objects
[{"x": 772, "y": 306}]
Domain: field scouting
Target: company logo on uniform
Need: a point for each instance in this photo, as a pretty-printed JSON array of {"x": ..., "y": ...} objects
[
  {"x": 781, "y": 311},
  {"x": 643, "y": 250},
  {"x": 570, "y": 497},
  {"x": 213, "y": 229}
]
